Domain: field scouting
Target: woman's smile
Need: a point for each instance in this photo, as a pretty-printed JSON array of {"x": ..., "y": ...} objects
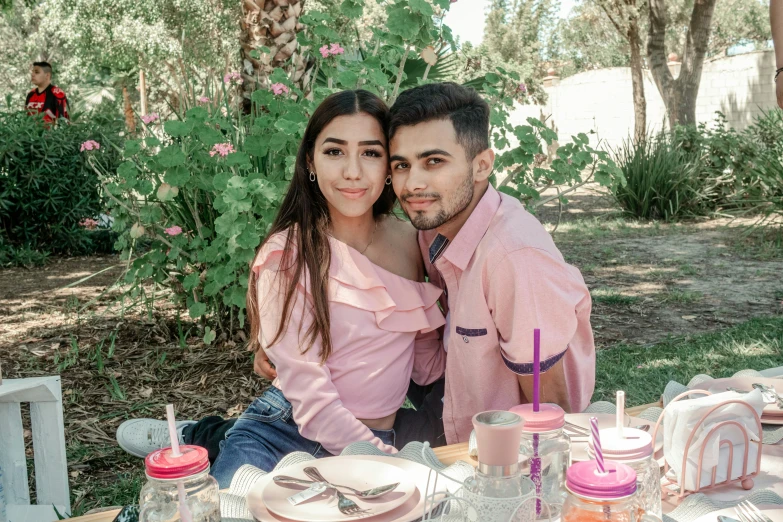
[{"x": 352, "y": 193}]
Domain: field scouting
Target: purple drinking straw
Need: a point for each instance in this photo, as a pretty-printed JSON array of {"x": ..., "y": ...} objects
[
  {"x": 536, "y": 368},
  {"x": 535, "y": 462}
]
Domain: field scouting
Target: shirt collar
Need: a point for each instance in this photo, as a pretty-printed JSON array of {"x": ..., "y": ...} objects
[{"x": 464, "y": 244}]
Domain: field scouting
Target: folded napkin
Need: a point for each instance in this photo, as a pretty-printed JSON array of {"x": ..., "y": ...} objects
[
  {"x": 772, "y": 433},
  {"x": 682, "y": 418}
]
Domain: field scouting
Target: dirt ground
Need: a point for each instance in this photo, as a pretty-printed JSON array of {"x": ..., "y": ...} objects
[{"x": 120, "y": 360}]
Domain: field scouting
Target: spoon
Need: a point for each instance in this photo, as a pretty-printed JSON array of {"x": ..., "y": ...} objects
[{"x": 368, "y": 494}]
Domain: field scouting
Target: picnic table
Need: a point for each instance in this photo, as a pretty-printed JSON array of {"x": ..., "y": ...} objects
[{"x": 446, "y": 454}]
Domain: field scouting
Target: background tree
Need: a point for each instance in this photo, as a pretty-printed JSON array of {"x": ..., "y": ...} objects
[
  {"x": 679, "y": 95},
  {"x": 624, "y": 16},
  {"x": 587, "y": 39},
  {"x": 268, "y": 40}
]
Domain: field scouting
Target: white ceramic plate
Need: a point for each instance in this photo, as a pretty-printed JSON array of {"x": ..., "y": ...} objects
[
  {"x": 775, "y": 514},
  {"x": 411, "y": 510},
  {"x": 606, "y": 420}
]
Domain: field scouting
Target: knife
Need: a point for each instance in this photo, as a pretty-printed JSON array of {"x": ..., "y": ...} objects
[{"x": 721, "y": 518}]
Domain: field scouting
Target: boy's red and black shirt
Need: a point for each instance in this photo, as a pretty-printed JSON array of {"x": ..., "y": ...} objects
[{"x": 51, "y": 101}]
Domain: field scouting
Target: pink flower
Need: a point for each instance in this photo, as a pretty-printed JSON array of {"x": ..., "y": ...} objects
[
  {"x": 279, "y": 88},
  {"x": 90, "y": 145},
  {"x": 173, "y": 231},
  {"x": 149, "y": 118},
  {"x": 224, "y": 149},
  {"x": 233, "y": 77},
  {"x": 88, "y": 223},
  {"x": 203, "y": 99},
  {"x": 522, "y": 88},
  {"x": 333, "y": 50}
]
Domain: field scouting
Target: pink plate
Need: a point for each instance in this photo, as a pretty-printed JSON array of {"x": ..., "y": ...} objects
[
  {"x": 770, "y": 412},
  {"x": 411, "y": 509},
  {"x": 346, "y": 471}
]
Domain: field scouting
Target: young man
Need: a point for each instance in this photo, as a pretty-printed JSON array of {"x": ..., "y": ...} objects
[
  {"x": 45, "y": 97},
  {"x": 502, "y": 275}
]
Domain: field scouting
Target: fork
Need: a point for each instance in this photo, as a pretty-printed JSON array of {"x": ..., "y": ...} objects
[
  {"x": 747, "y": 512},
  {"x": 344, "y": 504}
]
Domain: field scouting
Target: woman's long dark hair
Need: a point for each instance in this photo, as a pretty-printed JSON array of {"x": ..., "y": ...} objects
[{"x": 304, "y": 214}]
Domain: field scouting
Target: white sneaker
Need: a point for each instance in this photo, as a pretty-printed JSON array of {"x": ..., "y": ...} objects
[{"x": 140, "y": 437}]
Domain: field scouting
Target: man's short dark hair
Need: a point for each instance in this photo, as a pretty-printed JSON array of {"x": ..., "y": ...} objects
[
  {"x": 46, "y": 66},
  {"x": 466, "y": 110}
]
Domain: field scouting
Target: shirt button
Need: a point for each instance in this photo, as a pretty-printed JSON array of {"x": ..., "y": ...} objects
[{"x": 465, "y": 338}]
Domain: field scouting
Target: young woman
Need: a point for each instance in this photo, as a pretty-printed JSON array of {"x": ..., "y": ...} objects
[{"x": 336, "y": 299}]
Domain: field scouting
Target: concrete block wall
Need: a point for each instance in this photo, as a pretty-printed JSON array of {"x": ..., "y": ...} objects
[{"x": 740, "y": 86}]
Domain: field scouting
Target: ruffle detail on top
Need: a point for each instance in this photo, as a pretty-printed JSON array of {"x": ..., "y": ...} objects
[{"x": 399, "y": 304}]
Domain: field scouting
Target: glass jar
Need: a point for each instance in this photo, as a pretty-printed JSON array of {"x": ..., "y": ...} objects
[
  {"x": 545, "y": 454},
  {"x": 634, "y": 448},
  {"x": 584, "y": 509},
  {"x": 179, "y": 489},
  {"x": 497, "y": 488},
  {"x": 601, "y": 497}
]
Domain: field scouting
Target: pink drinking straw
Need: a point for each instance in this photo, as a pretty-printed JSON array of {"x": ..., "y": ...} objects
[
  {"x": 184, "y": 511},
  {"x": 599, "y": 452}
]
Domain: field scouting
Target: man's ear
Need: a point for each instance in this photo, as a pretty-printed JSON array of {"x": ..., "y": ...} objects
[{"x": 483, "y": 164}]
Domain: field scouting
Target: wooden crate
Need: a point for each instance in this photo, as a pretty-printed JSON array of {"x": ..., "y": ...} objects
[{"x": 51, "y": 466}]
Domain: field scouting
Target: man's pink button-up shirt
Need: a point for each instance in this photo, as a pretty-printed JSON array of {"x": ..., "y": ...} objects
[{"x": 503, "y": 278}]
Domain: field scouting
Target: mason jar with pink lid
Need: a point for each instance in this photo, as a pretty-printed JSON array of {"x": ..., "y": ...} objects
[
  {"x": 179, "y": 488},
  {"x": 545, "y": 454},
  {"x": 634, "y": 448},
  {"x": 596, "y": 495}
]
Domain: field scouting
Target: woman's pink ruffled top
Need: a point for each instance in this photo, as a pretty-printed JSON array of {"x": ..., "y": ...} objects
[{"x": 384, "y": 331}]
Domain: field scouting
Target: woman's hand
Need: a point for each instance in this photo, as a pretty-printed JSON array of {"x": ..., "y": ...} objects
[{"x": 263, "y": 367}]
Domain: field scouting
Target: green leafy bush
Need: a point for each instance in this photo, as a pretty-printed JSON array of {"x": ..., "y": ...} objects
[
  {"x": 46, "y": 187},
  {"x": 743, "y": 168},
  {"x": 201, "y": 191},
  {"x": 663, "y": 181}
]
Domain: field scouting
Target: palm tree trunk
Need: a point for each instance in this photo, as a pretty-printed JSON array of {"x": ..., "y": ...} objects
[{"x": 272, "y": 24}]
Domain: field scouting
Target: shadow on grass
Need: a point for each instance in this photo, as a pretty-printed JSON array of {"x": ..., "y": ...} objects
[{"x": 643, "y": 372}]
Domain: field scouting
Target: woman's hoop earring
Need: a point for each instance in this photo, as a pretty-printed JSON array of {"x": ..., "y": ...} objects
[
  {"x": 312, "y": 176},
  {"x": 388, "y": 180}
]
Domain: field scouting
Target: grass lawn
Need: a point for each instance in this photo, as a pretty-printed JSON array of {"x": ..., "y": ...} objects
[{"x": 643, "y": 372}]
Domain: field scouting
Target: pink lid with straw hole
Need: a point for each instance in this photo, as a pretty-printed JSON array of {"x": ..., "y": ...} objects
[
  {"x": 548, "y": 417},
  {"x": 585, "y": 479},
  {"x": 162, "y": 464}
]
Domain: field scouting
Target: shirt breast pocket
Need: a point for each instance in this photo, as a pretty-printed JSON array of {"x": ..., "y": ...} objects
[{"x": 474, "y": 336}]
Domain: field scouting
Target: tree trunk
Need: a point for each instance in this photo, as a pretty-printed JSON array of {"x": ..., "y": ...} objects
[
  {"x": 272, "y": 24},
  {"x": 637, "y": 83},
  {"x": 625, "y": 18},
  {"x": 679, "y": 96}
]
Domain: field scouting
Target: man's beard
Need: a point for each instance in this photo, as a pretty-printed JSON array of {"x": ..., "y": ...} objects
[{"x": 459, "y": 202}]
